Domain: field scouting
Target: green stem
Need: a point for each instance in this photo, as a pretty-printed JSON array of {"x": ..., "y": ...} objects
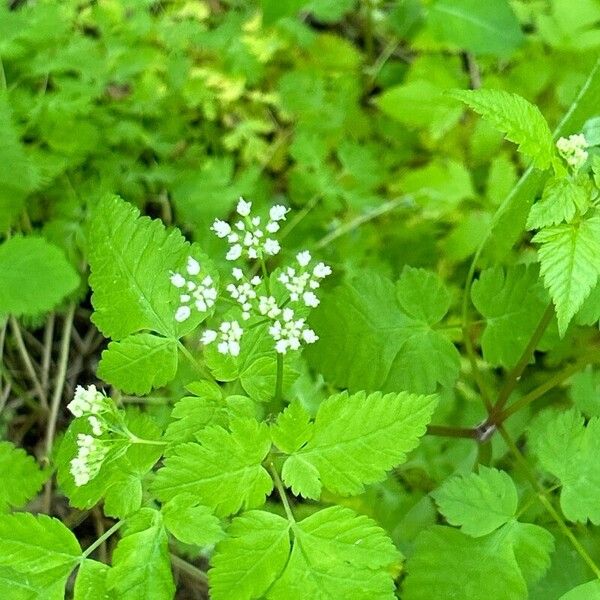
[
  {"x": 202, "y": 370},
  {"x": 282, "y": 494},
  {"x": 102, "y": 538},
  {"x": 544, "y": 388},
  {"x": 263, "y": 268},
  {"x": 279, "y": 378},
  {"x": 191, "y": 570},
  {"x": 541, "y": 495},
  {"x": 514, "y": 376}
]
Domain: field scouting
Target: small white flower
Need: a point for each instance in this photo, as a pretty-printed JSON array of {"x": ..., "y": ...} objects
[
  {"x": 178, "y": 280},
  {"x": 237, "y": 273},
  {"x": 234, "y": 252},
  {"x": 208, "y": 337},
  {"x": 229, "y": 336},
  {"x": 309, "y": 336},
  {"x": 289, "y": 333},
  {"x": 272, "y": 227},
  {"x": 322, "y": 270},
  {"x": 310, "y": 299},
  {"x": 87, "y": 401},
  {"x": 243, "y": 207},
  {"x": 271, "y": 246},
  {"x": 192, "y": 266},
  {"x": 267, "y": 306},
  {"x": 573, "y": 149},
  {"x": 88, "y": 462},
  {"x": 303, "y": 258},
  {"x": 96, "y": 425},
  {"x": 278, "y": 212},
  {"x": 221, "y": 228},
  {"x": 182, "y": 314}
]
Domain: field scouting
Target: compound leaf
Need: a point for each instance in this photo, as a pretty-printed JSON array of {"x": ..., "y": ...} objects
[
  {"x": 569, "y": 257},
  {"x": 355, "y": 440},
  {"x": 520, "y": 121},
  {"x": 141, "y": 564},
  {"x": 252, "y": 556},
  {"x": 480, "y": 502},
  {"x": 223, "y": 471}
]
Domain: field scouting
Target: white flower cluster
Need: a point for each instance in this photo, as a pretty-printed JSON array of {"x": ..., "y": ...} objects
[
  {"x": 229, "y": 335},
  {"x": 91, "y": 451},
  {"x": 247, "y": 238},
  {"x": 573, "y": 149},
  {"x": 301, "y": 284},
  {"x": 200, "y": 293},
  {"x": 283, "y": 310},
  {"x": 90, "y": 456}
]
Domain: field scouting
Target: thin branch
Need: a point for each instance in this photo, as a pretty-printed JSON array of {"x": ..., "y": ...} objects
[
  {"x": 57, "y": 396},
  {"x": 16, "y": 330},
  {"x": 47, "y": 351},
  {"x": 454, "y": 432}
]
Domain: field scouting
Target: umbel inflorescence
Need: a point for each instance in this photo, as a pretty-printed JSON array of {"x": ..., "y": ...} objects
[{"x": 283, "y": 301}]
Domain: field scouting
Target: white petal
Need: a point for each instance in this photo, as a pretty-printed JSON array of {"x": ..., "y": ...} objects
[
  {"x": 303, "y": 258},
  {"x": 234, "y": 252},
  {"x": 237, "y": 273},
  {"x": 221, "y": 228},
  {"x": 272, "y": 227},
  {"x": 272, "y": 247},
  {"x": 243, "y": 207},
  {"x": 193, "y": 266},
  {"x": 178, "y": 280},
  {"x": 209, "y": 336},
  {"x": 278, "y": 212},
  {"x": 183, "y": 313}
]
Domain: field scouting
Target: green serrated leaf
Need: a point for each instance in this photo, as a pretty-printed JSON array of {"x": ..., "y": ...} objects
[
  {"x": 512, "y": 303},
  {"x": 91, "y": 581},
  {"x": 338, "y": 554},
  {"x": 520, "y": 121},
  {"x": 35, "y": 276},
  {"x": 21, "y": 477},
  {"x": 141, "y": 564},
  {"x": 570, "y": 264},
  {"x": 292, "y": 429},
  {"x": 355, "y": 440},
  {"x": 480, "y": 502},
  {"x": 223, "y": 470},
  {"x": 139, "y": 363},
  {"x": 190, "y": 522},
  {"x": 396, "y": 350},
  {"x": 36, "y": 551},
  {"x": 567, "y": 449},
  {"x": 563, "y": 198},
  {"x": 130, "y": 260},
  {"x": 479, "y": 27},
  {"x": 252, "y": 556}
]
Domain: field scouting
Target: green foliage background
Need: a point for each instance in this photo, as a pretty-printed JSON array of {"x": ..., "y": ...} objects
[{"x": 349, "y": 112}]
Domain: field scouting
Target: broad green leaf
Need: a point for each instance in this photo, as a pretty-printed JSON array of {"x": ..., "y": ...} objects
[
  {"x": 36, "y": 551},
  {"x": 192, "y": 414},
  {"x": 569, "y": 257},
  {"x": 274, "y": 10},
  {"x": 223, "y": 470},
  {"x": 589, "y": 313},
  {"x": 479, "y": 27},
  {"x": 397, "y": 349},
  {"x": 568, "y": 449},
  {"x": 563, "y": 198},
  {"x": 480, "y": 502},
  {"x": 449, "y": 564},
  {"x": 190, "y": 522},
  {"x": 253, "y": 555},
  {"x": 355, "y": 440},
  {"x": 124, "y": 495},
  {"x": 35, "y": 276},
  {"x": 139, "y": 362},
  {"x": 420, "y": 103},
  {"x": 585, "y": 591},
  {"x": 520, "y": 121},
  {"x": 21, "y": 477},
  {"x": 131, "y": 258},
  {"x": 141, "y": 564},
  {"x": 585, "y": 391},
  {"x": 18, "y": 173},
  {"x": 338, "y": 554},
  {"x": 512, "y": 302},
  {"x": 91, "y": 581},
  {"x": 292, "y": 429}
]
